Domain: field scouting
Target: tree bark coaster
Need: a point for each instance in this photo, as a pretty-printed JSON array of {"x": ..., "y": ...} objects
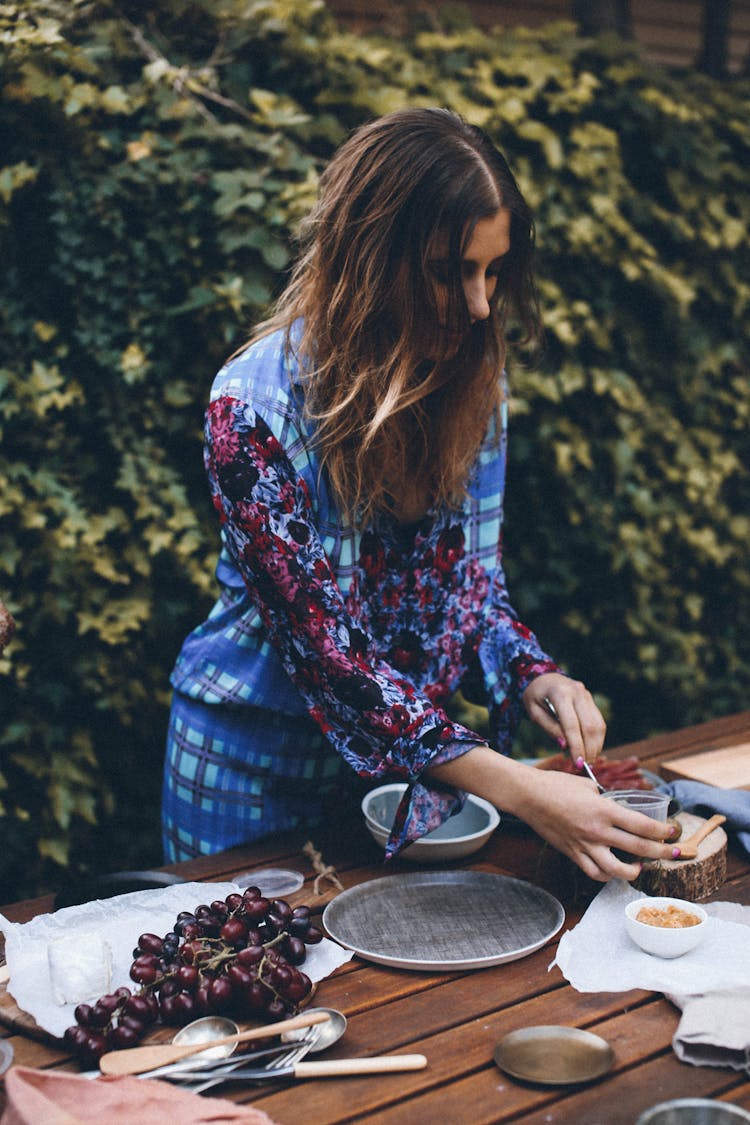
[{"x": 691, "y": 879}]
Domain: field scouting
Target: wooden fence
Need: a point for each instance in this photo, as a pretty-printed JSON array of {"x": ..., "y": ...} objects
[{"x": 670, "y": 31}]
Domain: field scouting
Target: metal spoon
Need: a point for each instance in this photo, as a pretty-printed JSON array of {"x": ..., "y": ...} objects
[
  {"x": 326, "y": 1034},
  {"x": 312, "y": 1039},
  {"x": 328, "y": 1028},
  {"x": 202, "y": 1030},
  {"x": 136, "y": 1060},
  {"x": 205, "y": 1030}
]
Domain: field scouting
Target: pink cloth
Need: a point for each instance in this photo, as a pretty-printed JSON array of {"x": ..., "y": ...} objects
[{"x": 50, "y": 1097}]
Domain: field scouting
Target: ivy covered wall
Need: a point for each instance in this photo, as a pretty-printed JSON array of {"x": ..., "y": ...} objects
[{"x": 154, "y": 162}]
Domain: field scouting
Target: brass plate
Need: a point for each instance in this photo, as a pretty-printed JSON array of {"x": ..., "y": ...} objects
[{"x": 554, "y": 1056}]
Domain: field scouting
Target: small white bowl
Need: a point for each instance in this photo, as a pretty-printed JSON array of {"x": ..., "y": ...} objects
[
  {"x": 460, "y": 835},
  {"x": 660, "y": 940}
]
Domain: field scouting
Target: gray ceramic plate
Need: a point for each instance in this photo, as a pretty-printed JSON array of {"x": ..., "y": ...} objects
[
  {"x": 438, "y": 921},
  {"x": 554, "y": 1056}
]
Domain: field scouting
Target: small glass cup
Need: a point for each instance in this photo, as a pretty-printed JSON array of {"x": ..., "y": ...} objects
[{"x": 647, "y": 801}]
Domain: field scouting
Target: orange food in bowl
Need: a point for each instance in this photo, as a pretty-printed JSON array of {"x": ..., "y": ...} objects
[
  {"x": 666, "y": 927},
  {"x": 669, "y": 918}
]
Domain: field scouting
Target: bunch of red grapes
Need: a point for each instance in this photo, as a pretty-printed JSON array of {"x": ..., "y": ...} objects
[{"x": 240, "y": 956}]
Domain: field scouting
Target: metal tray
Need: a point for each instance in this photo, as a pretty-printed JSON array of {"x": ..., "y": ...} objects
[
  {"x": 439, "y": 921},
  {"x": 554, "y": 1056}
]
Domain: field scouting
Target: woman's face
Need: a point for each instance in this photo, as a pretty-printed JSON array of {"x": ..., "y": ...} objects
[{"x": 480, "y": 266}]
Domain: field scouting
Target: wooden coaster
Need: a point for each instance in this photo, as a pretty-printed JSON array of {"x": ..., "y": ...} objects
[{"x": 691, "y": 879}]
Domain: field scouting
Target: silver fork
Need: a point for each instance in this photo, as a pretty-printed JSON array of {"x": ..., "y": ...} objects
[
  {"x": 197, "y": 1067},
  {"x": 282, "y": 1060}
]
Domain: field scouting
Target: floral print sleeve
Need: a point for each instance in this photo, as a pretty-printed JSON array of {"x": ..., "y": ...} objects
[{"x": 371, "y": 712}]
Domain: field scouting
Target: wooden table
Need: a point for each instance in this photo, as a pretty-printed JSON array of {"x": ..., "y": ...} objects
[{"x": 456, "y": 1019}]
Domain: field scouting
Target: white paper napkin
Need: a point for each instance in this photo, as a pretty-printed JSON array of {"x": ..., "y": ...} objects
[
  {"x": 598, "y": 956},
  {"x": 118, "y": 922}
]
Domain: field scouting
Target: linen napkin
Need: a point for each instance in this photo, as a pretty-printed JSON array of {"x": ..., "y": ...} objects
[
  {"x": 48, "y": 1097},
  {"x": 714, "y": 1030},
  {"x": 715, "y": 1027}
]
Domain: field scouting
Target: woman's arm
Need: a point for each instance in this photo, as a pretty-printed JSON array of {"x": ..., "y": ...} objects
[
  {"x": 518, "y": 674},
  {"x": 371, "y": 712},
  {"x": 566, "y": 811}
]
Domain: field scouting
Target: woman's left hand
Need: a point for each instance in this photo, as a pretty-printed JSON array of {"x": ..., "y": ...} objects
[{"x": 579, "y": 726}]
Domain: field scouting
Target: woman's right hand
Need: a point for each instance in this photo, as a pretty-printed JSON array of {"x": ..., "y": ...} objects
[
  {"x": 565, "y": 810},
  {"x": 570, "y": 813}
]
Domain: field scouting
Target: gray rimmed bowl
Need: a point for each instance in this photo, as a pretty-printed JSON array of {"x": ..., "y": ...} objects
[{"x": 461, "y": 835}]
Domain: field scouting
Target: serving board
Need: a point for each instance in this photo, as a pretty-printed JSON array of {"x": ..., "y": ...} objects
[{"x": 726, "y": 769}]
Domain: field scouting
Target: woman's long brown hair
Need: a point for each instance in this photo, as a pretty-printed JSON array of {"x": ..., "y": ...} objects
[{"x": 390, "y": 409}]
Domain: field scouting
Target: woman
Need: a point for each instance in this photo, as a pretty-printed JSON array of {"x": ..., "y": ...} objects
[{"x": 356, "y": 453}]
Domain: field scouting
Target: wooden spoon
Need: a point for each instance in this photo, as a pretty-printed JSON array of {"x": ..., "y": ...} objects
[
  {"x": 134, "y": 1060},
  {"x": 689, "y": 847}
]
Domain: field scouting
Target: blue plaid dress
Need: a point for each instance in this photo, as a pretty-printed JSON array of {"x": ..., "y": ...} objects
[{"x": 330, "y": 646}]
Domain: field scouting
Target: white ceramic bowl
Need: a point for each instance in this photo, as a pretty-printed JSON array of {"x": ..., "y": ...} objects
[
  {"x": 660, "y": 940},
  {"x": 459, "y": 836}
]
